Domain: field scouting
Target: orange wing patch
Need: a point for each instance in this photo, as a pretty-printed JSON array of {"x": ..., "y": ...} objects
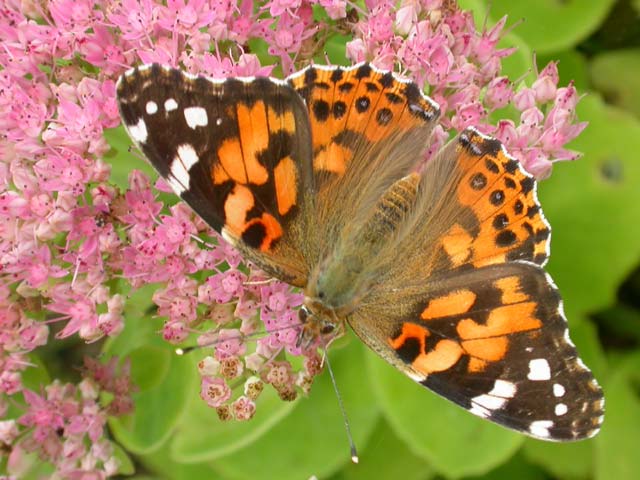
[
  {"x": 251, "y": 159},
  {"x": 353, "y": 107},
  {"x": 504, "y": 217},
  {"x": 284, "y": 176},
  {"x": 455, "y": 303},
  {"x": 457, "y": 325}
]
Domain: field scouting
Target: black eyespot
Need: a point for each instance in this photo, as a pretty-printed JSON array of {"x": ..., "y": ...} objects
[{"x": 303, "y": 314}]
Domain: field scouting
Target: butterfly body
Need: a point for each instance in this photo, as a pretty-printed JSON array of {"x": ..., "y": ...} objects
[{"x": 438, "y": 268}]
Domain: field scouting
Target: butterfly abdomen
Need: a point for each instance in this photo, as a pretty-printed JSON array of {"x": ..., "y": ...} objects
[{"x": 392, "y": 209}]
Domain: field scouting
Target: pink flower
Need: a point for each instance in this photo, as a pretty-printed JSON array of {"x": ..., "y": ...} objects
[
  {"x": 134, "y": 18},
  {"x": 278, "y": 7},
  {"x": 499, "y": 93},
  {"x": 214, "y": 391},
  {"x": 243, "y": 408},
  {"x": 185, "y": 17},
  {"x": 336, "y": 9}
]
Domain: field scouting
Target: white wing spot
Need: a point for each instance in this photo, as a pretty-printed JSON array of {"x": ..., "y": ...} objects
[
  {"x": 497, "y": 397},
  {"x": 561, "y": 409},
  {"x": 540, "y": 428},
  {"x": 185, "y": 159},
  {"x": 558, "y": 390},
  {"x": 196, "y": 117},
  {"x": 170, "y": 105},
  {"x": 489, "y": 401},
  {"x": 539, "y": 370},
  {"x": 218, "y": 121},
  {"x": 504, "y": 389},
  {"x": 151, "y": 107},
  {"x": 139, "y": 131}
]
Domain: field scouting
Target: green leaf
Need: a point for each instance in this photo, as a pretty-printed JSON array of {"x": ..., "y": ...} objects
[
  {"x": 151, "y": 366},
  {"x": 386, "y": 456},
  {"x": 157, "y": 410},
  {"x": 139, "y": 328},
  {"x": 435, "y": 429},
  {"x": 562, "y": 460},
  {"x": 617, "y": 444},
  {"x": 161, "y": 462},
  {"x": 336, "y": 50},
  {"x": 516, "y": 467},
  {"x": 203, "y": 437},
  {"x": 593, "y": 205},
  {"x": 125, "y": 464},
  {"x": 520, "y": 63},
  {"x": 620, "y": 89},
  {"x": 36, "y": 376},
  {"x": 552, "y": 25},
  {"x": 311, "y": 440}
]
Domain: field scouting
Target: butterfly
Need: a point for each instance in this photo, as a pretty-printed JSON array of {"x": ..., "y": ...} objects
[{"x": 438, "y": 270}]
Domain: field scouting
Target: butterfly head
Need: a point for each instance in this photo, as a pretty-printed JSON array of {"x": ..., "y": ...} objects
[{"x": 319, "y": 323}]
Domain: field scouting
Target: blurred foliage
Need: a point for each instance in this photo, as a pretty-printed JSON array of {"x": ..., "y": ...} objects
[{"x": 402, "y": 431}]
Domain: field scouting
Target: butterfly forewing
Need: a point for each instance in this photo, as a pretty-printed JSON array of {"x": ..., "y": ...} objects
[
  {"x": 238, "y": 151},
  {"x": 369, "y": 128}
]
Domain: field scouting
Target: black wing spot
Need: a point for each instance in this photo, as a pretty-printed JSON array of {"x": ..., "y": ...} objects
[
  {"x": 478, "y": 181},
  {"x": 506, "y": 238},
  {"x": 362, "y": 104},
  {"x": 254, "y": 235},
  {"x": 384, "y": 116},
  {"x": 497, "y": 197},
  {"x": 500, "y": 221},
  {"x": 321, "y": 110},
  {"x": 364, "y": 71},
  {"x": 339, "y": 109},
  {"x": 345, "y": 87}
]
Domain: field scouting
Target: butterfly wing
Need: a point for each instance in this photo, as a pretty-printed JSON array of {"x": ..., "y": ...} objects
[
  {"x": 238, "y": 151},
  {"x": 469, "y": 312},
  {"x": 368, "y": 128}
]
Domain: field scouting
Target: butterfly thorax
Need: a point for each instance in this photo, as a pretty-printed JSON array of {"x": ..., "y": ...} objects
[{"x": 346, "y": 275}]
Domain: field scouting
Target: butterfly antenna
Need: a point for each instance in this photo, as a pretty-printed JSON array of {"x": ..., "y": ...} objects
[
  {"x": 352, "y": 445},
  {"x": 243, "y": 337}
]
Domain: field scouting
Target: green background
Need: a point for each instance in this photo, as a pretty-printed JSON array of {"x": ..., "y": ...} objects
[{"x": 400, "y": 429}]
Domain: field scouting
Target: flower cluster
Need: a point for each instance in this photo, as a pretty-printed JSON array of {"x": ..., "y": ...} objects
[
  {"x": 72, "y": 243},
  {"x": 65, "y": 424}
]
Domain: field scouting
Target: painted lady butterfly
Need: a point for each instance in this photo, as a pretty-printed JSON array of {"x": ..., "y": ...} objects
[{"x": 439, "y": 272}]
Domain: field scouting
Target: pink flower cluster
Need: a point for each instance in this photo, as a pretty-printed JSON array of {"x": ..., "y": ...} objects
[
  {"x": 65, "y": 424},
  {"x": 73, "y": 245}
]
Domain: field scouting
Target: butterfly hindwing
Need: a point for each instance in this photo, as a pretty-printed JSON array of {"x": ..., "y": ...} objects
[
  {"x": 238, "y": 151},
  {"x": 495, "y": 341}
]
